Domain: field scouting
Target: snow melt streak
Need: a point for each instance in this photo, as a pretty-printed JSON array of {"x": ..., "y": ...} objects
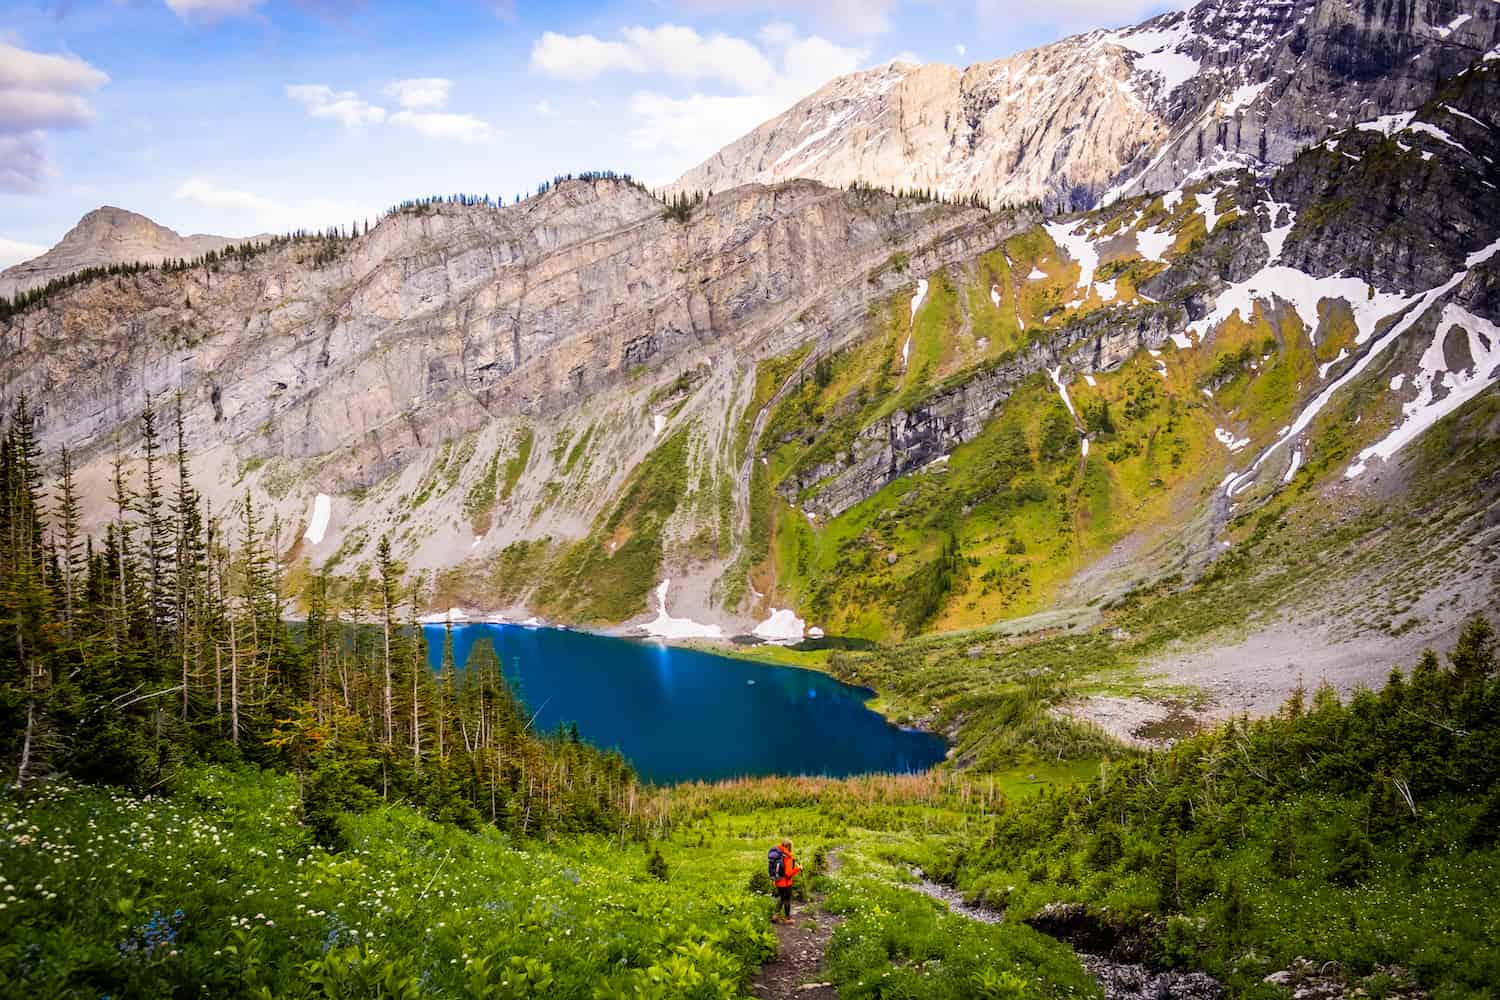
[{"x": 916, "y": 303}]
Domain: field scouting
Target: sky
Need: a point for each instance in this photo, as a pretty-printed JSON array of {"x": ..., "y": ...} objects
[{"x": 237, "y": 117}]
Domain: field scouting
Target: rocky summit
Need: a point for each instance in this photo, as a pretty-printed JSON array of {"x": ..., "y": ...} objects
[
  {"x": 1229, "y": 83},
  {"x": 109, "y": 236}
]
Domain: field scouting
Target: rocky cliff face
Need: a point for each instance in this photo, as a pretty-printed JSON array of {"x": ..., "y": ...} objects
[
  {"x": 1110, "y": 113},
  {"x": 394, "y": 372},
  {"x": 110, "y": 236}
]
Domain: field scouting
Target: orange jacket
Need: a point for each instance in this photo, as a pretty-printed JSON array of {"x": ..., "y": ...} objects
[{"x": 789, "y": 869}]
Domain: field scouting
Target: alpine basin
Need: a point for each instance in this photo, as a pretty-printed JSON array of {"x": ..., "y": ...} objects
[{"x": 684, "y": 715}]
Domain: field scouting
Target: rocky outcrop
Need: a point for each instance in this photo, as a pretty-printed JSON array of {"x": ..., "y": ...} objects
[
  {"x": 910, "y": 439},
  {"x": 108, "y": 236},
  {"x": 1231, "y": 83},
  {"x": 1402, "y": 200}
]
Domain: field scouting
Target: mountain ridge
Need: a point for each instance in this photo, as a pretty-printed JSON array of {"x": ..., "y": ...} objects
[
  {"x": 106, "y": 236},
  {"x": 1226, "y": 84}
]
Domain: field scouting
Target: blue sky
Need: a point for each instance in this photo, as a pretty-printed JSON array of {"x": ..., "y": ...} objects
[{"x": 243, "y": 116}]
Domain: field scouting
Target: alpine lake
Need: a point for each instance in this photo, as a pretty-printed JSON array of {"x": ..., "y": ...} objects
[{"x": 685, "y": 715}]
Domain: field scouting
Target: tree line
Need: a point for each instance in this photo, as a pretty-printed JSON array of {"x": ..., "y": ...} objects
[
  {"x": 165, "y": 641},
  {"x": 210, "y": 261}
]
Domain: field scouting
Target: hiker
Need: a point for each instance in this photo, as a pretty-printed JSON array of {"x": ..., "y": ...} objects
[{"x": 783, "y": 868}]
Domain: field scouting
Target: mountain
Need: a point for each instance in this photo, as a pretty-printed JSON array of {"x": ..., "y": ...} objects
[
  {"x": 108, "y": 236},
  {"x": 1110, "y": 113},
  {"x": 792, "y": 406}
]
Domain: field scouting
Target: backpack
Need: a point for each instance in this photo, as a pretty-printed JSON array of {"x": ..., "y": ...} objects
[{"x": 774, "y": 857}]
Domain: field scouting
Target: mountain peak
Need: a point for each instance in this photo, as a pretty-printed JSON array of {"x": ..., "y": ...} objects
[
  {"x": 109, "y": 235},
  {"x": 1227, "y": 84}
]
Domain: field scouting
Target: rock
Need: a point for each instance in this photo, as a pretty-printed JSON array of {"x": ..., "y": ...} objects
[
  {"x": 108, "y": 236},
  {"x": 1228, "y": 83}
]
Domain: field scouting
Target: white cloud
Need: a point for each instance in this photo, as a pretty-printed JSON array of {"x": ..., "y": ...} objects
[
  {"x": 1070, "y": 14},
  {"x": 39, "y": 91},
  {"x": 421, "y": 102},
  {"x": 678, "y": 52},
  {"x": 766, "y": 76},
  {"x": 696, "y": 125},
  {"x": 422, "y": 94},
  {"x": 212, "y": 10},
  {"x": 860, "y": 17},
  {"x": 245, "y": 211},
  {"x": 544, "y": 108},
  {"x": 581, "y": 57},
  {"x": 961, "y": 49},
  {"x": 444, "y": 125},
  {"x": 15, "y": 251},
  {"x": 684, "y": 54},
  {"x": 345, "y": 106}
]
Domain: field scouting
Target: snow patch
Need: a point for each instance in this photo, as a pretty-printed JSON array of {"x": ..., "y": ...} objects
[
  {"x": 1426, "y": 409},
  {"x": 445, "y": 617},
  {"x": 1106, "y": 290},
  {"x": 1153, "y": 244},
  {"x": 1208, "y": 205},
  {"x": 1291, "y": 472},
  {"x": 1090, "y": 380},
  {"x": 1037, "y": 274},
  {"x": 1454, "y": 25},
  {"x": 664, "y": 626},
  {"x": 1244, "y": 96},
  {"x": 1228, "y": 440},
  {"x": 782, "y": 626},
  {"x": 1275, "y": 237},
  {"x": 1303, "y": 292},
  {"x": 1077, "y": 247},
  {"x": 1388, "y": 124},
  {"x": 1056, "y": 374},
  {"x": 1158, "y": 52},
  {"x": 1182, "y": 340},
  {"x": 995, "y": 295},
  {"x": 916, "y": 303},
  {"x": 317, "y": 524},
  {"x": 1083, "y": 446},
  {"x": 1398, "y": 382},
  {"x": 658, "y": 422},
  {"x": 1171, "y": 200}
]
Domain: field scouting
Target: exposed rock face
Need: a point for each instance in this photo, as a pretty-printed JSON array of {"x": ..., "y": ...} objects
[
  {"x": 110, "y": 236},
  {"x": 573, "y": 308},
  {"x": 1229, "y": 83}
]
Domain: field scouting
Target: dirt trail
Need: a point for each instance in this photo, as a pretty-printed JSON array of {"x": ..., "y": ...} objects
[{"x": 801, "y": 950}]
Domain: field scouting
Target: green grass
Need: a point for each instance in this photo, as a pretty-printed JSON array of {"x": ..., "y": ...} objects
[{"x": 607, "y": 575}]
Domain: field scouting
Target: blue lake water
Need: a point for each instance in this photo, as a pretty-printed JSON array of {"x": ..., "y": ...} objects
[{"x": 679, "y": 714}]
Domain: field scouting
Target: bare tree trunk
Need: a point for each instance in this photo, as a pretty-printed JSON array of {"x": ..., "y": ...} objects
[
  {"x": 234, "y": 685},
  {"x": 416, "y": 725},
  {"x": 390, "y": 717},
  {"x": 26, "y": 745}
]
